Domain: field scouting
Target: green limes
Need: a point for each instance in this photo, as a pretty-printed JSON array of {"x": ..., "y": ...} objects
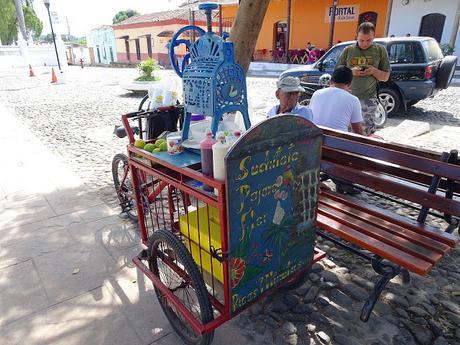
[
  {"x": 149, "y": 147},
  {"x": 158, "y": 142},
  {"x": 163, "y": 146},
  {"x": 156, "y": 150},
  {"x": 139, "y": 143}
]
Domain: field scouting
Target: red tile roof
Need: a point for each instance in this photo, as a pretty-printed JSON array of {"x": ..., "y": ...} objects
[{"x": 180, "y": 14}]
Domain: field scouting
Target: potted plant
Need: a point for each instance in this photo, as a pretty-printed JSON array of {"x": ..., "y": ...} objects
[{"x": 146, "y": 69}]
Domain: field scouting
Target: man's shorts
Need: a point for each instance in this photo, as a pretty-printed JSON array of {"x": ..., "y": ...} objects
[{"x": 369, "y": 108}]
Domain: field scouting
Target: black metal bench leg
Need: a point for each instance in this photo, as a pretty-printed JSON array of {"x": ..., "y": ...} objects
[{"x": 388, "y": 272}]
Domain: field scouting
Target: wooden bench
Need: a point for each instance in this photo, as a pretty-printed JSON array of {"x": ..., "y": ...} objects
[{"x": 423, "y": 180}]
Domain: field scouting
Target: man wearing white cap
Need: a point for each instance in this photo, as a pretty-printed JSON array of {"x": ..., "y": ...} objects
[{"x": 288, "y": 92}]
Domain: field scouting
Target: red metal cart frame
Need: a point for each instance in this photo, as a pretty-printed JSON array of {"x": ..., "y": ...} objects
[{"x": 166, "y": 199}]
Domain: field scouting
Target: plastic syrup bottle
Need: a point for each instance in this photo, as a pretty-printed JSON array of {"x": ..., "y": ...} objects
[
  {"x": 206, "y": 156},
  {"x": 219, "y": 150}
]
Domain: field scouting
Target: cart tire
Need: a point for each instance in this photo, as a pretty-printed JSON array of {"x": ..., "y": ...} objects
[
  {"x": 121, "y": 161},
  {"x": 164, "y": 242},
  {"x": 143, "y": 102}
]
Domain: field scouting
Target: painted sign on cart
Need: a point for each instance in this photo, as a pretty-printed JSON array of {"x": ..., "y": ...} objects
[{"x": 272, "y": 188}]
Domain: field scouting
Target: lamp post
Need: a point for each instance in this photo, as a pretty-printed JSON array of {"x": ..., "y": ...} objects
[
  {"x": 47, "y": 5},
  {"x": 331, "y": 33}
]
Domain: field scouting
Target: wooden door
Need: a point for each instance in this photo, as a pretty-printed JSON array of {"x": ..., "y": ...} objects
[{"x": 432, "y": 25}]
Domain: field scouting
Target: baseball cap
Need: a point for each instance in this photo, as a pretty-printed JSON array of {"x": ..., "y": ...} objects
[{"x": 289, "y": 84}]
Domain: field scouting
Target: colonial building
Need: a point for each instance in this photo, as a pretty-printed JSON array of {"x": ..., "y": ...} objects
[
  {"x": 434, "y": 18},
  {"x": 101, "y": 42},
  {"x": 310, "y": 21},
  {"x": 147, "y": 35}
]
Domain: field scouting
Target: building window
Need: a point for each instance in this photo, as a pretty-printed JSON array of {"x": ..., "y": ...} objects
[
  {"x": 111, "y": 54},
  {"x": 138, "y": 49},
  {"x": 432, "y": 25},
  {"x": 370, "y": 17}
]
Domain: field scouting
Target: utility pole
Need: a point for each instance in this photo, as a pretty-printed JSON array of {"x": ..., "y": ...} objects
[
  {"x": 453, "y": 36},
  {"x": 331, "y": 34},
  {"x": 68, "y": 28},
  {"x": 288, "y": 32}
]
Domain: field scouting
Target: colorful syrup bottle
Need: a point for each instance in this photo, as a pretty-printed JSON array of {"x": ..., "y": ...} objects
[{"x": 206, "y": 156}]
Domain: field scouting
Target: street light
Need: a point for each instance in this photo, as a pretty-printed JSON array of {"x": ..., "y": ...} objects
[{"x": 47, "y": 5}]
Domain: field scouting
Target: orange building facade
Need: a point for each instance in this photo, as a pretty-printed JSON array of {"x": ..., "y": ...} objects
[{"x": 310, "y": 21}]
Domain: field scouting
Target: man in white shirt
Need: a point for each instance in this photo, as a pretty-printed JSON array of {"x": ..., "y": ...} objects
[
  {"x": 288, "y": 92},
  {"x": 335, "y": 107}
]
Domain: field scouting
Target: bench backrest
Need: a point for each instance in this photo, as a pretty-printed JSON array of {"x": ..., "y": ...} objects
[{"x": 397, "y": 170}]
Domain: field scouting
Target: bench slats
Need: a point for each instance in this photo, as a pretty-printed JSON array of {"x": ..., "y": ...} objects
[
  {"x": 384, "y": 250},
  {"x": 372, "y": 141},
  {"x": 430, "y": 166},
  {"x": 392, "y": 187},
  {"x": 382, "y": 235},
  {"x": 364, "y": 219},
  {"x": 365, "y": 163},
  {"x": 425, "y": 230}
]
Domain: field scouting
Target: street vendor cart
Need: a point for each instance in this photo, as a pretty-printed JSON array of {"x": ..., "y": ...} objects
[{"x": 211, "y": 254}]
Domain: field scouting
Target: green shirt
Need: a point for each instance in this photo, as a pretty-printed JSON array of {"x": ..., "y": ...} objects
[{"x": 376, "y": 55}]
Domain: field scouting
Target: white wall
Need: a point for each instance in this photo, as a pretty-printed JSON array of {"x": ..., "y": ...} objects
[
  {"x": 37, "y": 55},
  {"x": 407, "y": 18}
]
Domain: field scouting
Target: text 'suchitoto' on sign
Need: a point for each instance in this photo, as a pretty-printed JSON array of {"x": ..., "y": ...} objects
[{"x": 272, "y": 188}]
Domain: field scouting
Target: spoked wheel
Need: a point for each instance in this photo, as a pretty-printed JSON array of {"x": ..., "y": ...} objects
[
  {"x": 170, "y": 261},
  {"x": 124, "y": 192},
  {"x": 380, "y": 116}
]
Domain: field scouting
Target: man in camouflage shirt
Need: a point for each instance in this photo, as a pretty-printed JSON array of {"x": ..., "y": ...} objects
[{"x": 370, "y": 64}]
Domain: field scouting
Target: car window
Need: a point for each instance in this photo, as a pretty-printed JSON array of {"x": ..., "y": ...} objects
[
  {"x": 433, "y": 50},
  {"x": 401, "y": 53},
  {"x": 418, "y": 53},
  {"x": 332, "y": 56}
]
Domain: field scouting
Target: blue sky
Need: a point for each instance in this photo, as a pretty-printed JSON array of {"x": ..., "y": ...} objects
[{"x": 84, "y": 15}]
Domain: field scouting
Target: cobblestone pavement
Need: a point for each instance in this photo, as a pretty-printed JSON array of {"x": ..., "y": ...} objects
[{"x": 76, "y": 121}]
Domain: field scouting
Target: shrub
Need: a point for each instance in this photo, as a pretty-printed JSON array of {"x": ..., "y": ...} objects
[
  {"x": 447, "y": 49},
  {"x": 146, "y": 69}
]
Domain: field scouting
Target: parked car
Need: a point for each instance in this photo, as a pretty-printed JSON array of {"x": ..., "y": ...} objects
[{"x": 418, "y": 70}]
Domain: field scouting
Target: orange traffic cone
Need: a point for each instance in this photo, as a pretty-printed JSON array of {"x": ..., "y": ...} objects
[
  {"x": 53, "y": 76},
  {"x": 31, "y": 72}
]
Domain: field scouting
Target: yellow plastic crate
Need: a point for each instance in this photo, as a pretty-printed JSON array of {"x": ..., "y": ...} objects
[{"x": 189, "y": 228}]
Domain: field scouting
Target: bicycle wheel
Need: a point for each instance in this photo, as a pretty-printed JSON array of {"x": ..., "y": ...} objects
[
  {"x": 171, "y": 262},
  {"x": 125, "y": 192},
  {"x": 145, "y": 103}
]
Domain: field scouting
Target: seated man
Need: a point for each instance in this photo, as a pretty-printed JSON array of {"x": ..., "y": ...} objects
[
  {"x": 288, "y": 93},
  {"x": 335, "y": 107}
]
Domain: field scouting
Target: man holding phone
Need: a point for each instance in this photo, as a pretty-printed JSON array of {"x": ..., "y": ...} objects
[{"x": 370, "y": 64}]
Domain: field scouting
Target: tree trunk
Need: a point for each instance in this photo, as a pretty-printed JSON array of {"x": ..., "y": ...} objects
[
  {"x": 21, "y": 21},
  {"x": 246, "y": 28}
]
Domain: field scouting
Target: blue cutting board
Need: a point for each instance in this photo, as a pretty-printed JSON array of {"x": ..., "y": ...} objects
[{"x": 182, "y": 160}]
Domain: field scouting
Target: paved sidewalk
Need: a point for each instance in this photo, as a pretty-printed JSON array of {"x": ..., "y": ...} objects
[{"x": 66, "y": 275}]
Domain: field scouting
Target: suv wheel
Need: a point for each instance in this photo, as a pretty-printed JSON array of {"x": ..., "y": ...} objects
[{"x": 390, "y": 100}]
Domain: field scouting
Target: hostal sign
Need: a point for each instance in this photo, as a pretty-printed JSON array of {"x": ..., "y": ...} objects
[{"x": 348, "y": 13}]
